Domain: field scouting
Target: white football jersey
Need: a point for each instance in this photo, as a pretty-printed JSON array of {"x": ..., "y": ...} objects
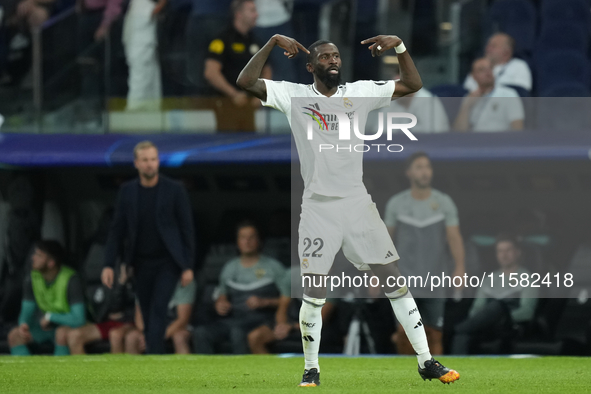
[{"x": 337, "y": 171}]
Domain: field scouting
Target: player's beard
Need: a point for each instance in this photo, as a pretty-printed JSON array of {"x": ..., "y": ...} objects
[{"x": 329, "y": 80}]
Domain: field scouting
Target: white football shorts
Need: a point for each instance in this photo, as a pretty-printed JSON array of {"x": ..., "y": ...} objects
[{"x": 328, "y": 224}]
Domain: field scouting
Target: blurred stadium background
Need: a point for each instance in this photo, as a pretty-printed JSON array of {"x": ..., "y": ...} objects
[{"x": 61, "y": 164}]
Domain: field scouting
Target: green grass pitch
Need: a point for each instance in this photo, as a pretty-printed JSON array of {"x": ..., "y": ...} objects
[{"x": 273, "y": 374}]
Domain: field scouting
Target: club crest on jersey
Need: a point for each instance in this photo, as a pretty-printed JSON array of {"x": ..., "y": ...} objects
[
  {"x": 347, "y": 103},
  {"x": 259, "y": 273},
  {"x": 305, "y": 263}
]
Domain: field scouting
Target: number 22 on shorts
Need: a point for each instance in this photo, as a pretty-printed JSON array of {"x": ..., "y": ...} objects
[{"x": 317, "y": 242}]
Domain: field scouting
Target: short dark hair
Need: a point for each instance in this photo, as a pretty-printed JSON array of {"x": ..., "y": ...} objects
[
  {"x": 312, "y": 48},
  {"x": 236, "y": 5},
  {"x": 53, "y": 249},
  {"x": 248, "y": 223},
  {"x": 508, "y": 237},
  {"x": 411, "y": 159}
]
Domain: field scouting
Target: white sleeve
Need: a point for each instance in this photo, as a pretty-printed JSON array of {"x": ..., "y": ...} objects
[
  {"x": 514, "y": 108},
  {"x": 278, "y": 95},
  {"x": 382, "y": 91},
  {"x": 390, "y": 214},
  {"x": 450, "y": 211},
  {"x": 470, "y": 84},
  {"x": 518, "y": 74},
  {"x": 441, "y": 122}
]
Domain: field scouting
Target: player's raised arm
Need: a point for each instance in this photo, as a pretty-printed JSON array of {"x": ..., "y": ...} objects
[
  {"x": 249, "y": 78},
  {"x": 410, "y": 80}
]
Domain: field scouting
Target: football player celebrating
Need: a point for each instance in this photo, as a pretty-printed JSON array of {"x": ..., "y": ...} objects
[{"x": 335, "y": 200}]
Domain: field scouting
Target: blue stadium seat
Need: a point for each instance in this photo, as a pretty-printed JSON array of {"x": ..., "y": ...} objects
[
  {"x": 575, "y": 12},
  {"x": 448, "y": 90},
  {"x": 564, "y": 113},
  {"x": 522, "y": 92},
  {"x": 563, "y": 35},
  {"x": 453, "y": 100},
  {"x": 559, "y": 67},
  {"x": 572, "y": 89},
  {"x": 517, "y": 18}
]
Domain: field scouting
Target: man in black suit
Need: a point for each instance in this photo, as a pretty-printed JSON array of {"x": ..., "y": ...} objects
[{"x": 154, "y": 215}]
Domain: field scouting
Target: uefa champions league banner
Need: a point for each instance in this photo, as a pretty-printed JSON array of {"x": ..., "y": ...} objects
[
  {"x": 552, "y": 128},
  {"x": 339, "y": 233}
]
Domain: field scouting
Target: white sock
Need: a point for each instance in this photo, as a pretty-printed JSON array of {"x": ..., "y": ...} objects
[
  {"x": 407, "y": 313},
  {"x": 311, "y": 326},
  {"x": 424, "y": 357}
]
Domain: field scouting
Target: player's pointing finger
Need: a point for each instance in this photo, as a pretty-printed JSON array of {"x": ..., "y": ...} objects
[
  {"x": 368, "y": 40},
  {"x": 303, "y": 48}
]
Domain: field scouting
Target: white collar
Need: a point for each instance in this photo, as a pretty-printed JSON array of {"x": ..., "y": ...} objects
[{"x": 338, "y": 92}]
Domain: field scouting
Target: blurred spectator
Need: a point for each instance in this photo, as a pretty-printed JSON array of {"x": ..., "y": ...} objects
[
  {"x": 53, "y": 302},
  {"x": 17, "y": 19},
  {"x": 508, "y": 70},
  {"x": 496, "y": 309},
  {"x": 208, "y": 19},
  {"x": 423, "y": 222},
  {"x": 275, "y": 18},
  {"x": 177, "y": 331},
  {"x": 248, "y": 295},
  {"x": 153, "y": 214},
  {"x": 431, "y": 116},
  {"x": 261, "y": 337},
  {"x": 227, "y": 55},
  {"x": 140, "y": 43},
  {"x": 22, "y": 229},
  {"x": 119, "y": 312},
  {"x": 95, "y": 18},
  {"x": 490, "y": 107},
  {"x": 99, "y": 15},
  {"x": 28, "y": 13}
]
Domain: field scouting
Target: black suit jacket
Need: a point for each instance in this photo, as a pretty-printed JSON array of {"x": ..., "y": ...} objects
[{"x": 173, "y": 216}]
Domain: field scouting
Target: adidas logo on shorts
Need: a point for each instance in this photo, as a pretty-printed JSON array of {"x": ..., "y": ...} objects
[{"x": 389, "y": 254}]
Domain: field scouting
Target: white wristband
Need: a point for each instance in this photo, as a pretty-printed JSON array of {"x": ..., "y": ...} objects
[
  {"x": 48, "y": 316},
  {"x": 400, "y": 48}
]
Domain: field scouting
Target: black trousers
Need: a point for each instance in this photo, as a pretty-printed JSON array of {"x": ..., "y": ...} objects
[
  {"x": 493, "y": 321},
  {"x": 235, "y": 329},
  {"x": 155, "y": 282}
]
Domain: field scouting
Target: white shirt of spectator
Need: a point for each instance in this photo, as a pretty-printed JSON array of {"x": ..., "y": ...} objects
[
  {"x": 496, "y": 111},
  {"x": 273, "y": 12},
  {"x": 431, "y": 116},
  {"x": 329, "y": 173},
  {"x": 515, "y": 72}
]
